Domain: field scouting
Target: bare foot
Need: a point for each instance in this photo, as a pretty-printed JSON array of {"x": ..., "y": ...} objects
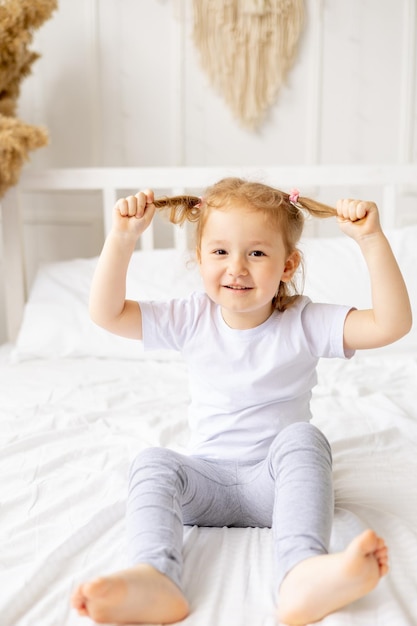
[
  {"x": 138, "y": 595},
  {"x": 323, "y": 584}
]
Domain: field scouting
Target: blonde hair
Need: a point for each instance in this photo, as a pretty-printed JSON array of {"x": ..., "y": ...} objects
[{"x": 276, "y": 205}]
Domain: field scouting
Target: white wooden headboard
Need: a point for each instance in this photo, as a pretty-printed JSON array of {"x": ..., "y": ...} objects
[{"x": 390, "y": 181}]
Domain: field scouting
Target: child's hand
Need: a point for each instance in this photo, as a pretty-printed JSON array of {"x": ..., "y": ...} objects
[
  {"x": 132, "y": 215},
  {"x": 358, "y": 218}
]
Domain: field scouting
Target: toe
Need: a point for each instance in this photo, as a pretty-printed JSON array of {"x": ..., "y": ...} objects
[
  {"x": 368, "y": 541},
  {"x": 78, "y": 599}
]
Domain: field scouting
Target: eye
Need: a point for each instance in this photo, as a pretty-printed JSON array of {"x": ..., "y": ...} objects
[
  {"x": 219, "y": 252},
  {"x": 257, "y": 253}
]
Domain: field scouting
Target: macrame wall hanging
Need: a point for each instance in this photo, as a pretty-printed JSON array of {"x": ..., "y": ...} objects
[{"x": 247, "y": 48}]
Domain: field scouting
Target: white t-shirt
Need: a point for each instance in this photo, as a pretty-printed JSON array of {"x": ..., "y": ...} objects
[{"x": 245, "y": 385}]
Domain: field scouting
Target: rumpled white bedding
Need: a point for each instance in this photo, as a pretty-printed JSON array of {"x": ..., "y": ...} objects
[{"x": 69, "y": 429}]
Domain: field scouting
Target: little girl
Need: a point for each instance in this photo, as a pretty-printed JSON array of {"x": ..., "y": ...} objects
[{"x": 252, "y": 345}]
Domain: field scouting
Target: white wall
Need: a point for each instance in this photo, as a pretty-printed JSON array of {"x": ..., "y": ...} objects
[{"x": 119, "y": 83}]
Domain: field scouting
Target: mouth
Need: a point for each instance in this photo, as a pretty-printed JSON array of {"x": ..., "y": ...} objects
[{"x": 237, "y": 287}]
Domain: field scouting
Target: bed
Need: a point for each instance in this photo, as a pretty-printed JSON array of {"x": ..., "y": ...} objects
[{"x": 77, "y": 404}]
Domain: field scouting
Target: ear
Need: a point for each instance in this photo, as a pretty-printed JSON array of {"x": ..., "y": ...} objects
[{"x": 291, "y": 265}]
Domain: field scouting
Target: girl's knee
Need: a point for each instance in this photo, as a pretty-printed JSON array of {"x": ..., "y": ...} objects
[
  {"x": 153, "y": 455},
  {"x": 300, "y": 437},
  {"x": 155, "y": 461},
  {"x": 303, "y": 433}
]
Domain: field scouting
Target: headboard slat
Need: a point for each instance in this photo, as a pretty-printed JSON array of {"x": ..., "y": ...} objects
[
  {"x": 14, "y": 274},
  {"x": 109, "y": 199}
]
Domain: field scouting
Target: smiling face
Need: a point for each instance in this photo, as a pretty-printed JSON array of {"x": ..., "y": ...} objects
[{"x": 242, "y": 261}]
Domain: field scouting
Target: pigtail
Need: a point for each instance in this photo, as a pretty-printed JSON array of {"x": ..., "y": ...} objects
[
  {"x": 292, "y": 219},
  {"x": 314, "y": 208},
  {"x": 180, "y": 209}
]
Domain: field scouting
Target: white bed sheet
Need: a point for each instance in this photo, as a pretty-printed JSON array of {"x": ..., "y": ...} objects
[{"x": 70, "y": 427}]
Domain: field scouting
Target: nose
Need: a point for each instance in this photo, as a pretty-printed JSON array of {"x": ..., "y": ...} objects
[{"x": 237, "y": 266}]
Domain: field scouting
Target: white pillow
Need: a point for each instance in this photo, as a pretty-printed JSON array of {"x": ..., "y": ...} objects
[
  {"x": 56, "y": 321},
  {"x": 335, "y": 272}
]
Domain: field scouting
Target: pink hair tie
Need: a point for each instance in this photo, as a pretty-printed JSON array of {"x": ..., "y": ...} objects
[
  {"x": 293, "y": 196},
  {"x": 198, "y": 205}
]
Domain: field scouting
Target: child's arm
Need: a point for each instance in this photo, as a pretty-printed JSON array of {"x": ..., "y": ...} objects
[
  {"x": 108, "y": 305},
  {"x": 390, "y": 317}
]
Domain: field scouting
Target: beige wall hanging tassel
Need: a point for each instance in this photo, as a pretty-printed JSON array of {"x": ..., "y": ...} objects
[{"x": 247, "y": 48}]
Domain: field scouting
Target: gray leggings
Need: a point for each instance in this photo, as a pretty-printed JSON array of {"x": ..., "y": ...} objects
[{"x": 290, "y": 490}]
